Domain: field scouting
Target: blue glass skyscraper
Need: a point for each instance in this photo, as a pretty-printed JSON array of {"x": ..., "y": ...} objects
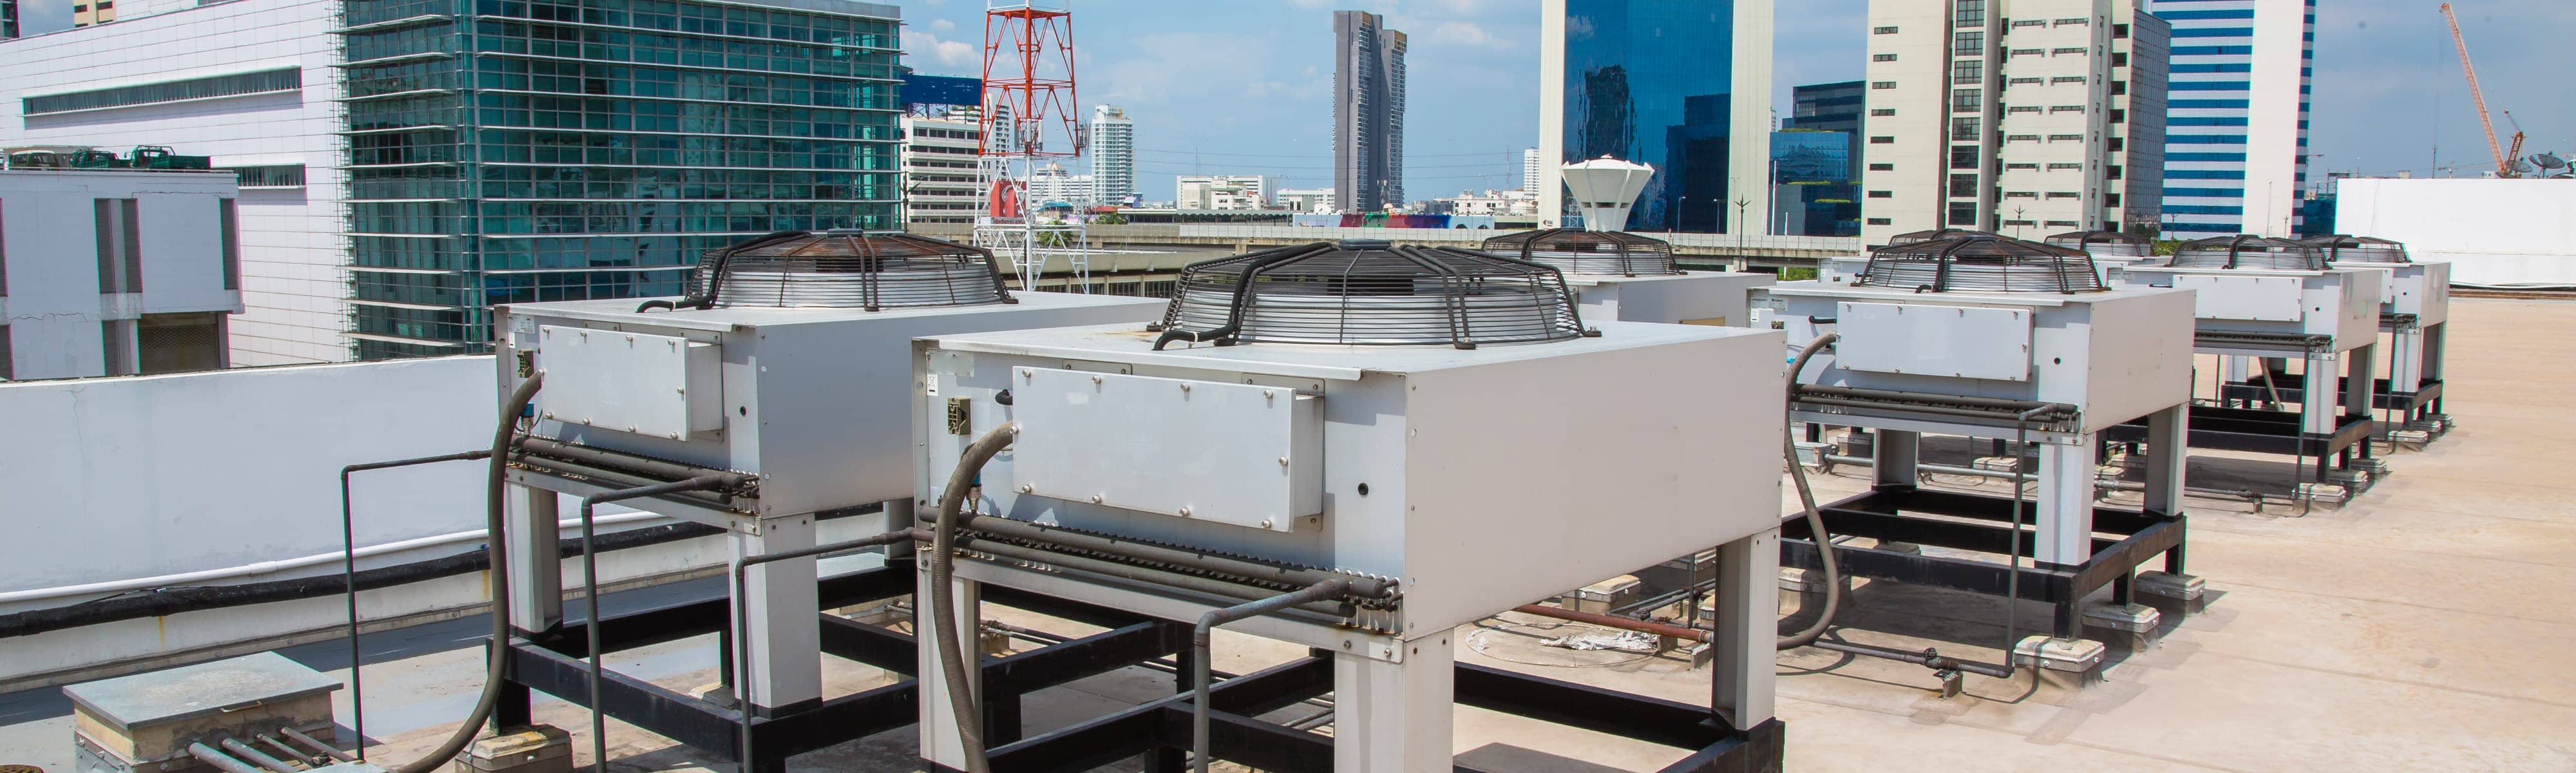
[
  {"x": 2236, "y": 140},
  {"x": 1682, "y": 85}
]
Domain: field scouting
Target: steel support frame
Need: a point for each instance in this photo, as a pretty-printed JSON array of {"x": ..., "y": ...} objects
[
  {"x": 1983, "y": 524},
  {"x": 2422, "y": 403},
  {"x": 1156, "y": 729},
  {"x": 2256, "y": 430},
  {"x": 552, "y": 662}
]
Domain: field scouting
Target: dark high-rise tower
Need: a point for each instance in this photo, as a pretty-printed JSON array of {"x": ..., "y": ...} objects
[
  {"x": 8, "y": 19},
  {"x": 1368, "y": 112}
]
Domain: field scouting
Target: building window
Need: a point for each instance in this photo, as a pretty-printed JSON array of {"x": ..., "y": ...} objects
[
  {"x": 2119, "y": 87},
  {"x": 1964, "y": 157},
  {"x": 120, "y": 246},
  {"x": 2076, "y": 50},
  {"x": 1967, "y": 101},
  {"x": 2066, "y": 138},
  {"x": 2119, "y": 32},
  {"x": 2056, "y": 195},
  {"x": 2112, "y": 173},
  {"x": 1972, "y": 43},
  {"x": 2062, "y": 165},
  {"x": 1968, "y": 72},
  {"x": 1963, "y": 128},
  {"x": 2119, "y": 116},
  {"x": 1963, "y": 213},
  {"x": 2022, "y": 138},
  {"x": 2067, "y": 109},
  {"x": 2024, "y": 81},
  {"x": 272, "y": 176},
  {"x": 2020, "y": 195},
  {"x": 179, "y": 343},
  {"x": 1872, "y": 221},
  {"x": 2119, "y": 59},
  {"x": 1969, "y": 13},
  {"x": 2030, "y": 22},
  {"x": 1881, "y": 112},
  {"x": 262, "y": 82},
  {"x": 2068, "y": 23},
  {"x": 1882, "y": 84},
  {"x": 1883, "y": 31},
  {"x": 2026, "y": 52},
  {"x": 2021, "y": 109},
  {"x": 2065, "y": 79},
  {"x": 2116, "y": 145},
  {"x": 1963, "y": 185},
  {"x": 228, "y": 222},
  {"x": 1882, "y": 57},
  {"x": 1882, "y": 140},
  {"x": 1882, "y": 167},
  {"x": 2029, "y": 166},
  {"x": 1880, "y": 195}
]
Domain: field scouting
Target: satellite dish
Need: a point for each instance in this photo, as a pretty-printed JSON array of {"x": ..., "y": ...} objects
[
  {"x": 2549, "y": 161},
  {"x": 2519, "y": 167}
]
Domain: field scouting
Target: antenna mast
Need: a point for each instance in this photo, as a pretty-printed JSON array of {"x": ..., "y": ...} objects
[{"x": 1028, "y": 116}]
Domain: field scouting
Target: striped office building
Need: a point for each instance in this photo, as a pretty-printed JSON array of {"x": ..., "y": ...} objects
[{"x": 2236, "y": 139}]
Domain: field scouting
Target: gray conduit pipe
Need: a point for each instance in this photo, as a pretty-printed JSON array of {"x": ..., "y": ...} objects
[
  {"x": 220, "y": 760},
  {"x": 590, "y": 586},
  {"x": 943, "y": 598},
  {"x": 495, "y": 505},
  {"x": 1199, "y": 638},
  {"x": 1815, "y": 519}
]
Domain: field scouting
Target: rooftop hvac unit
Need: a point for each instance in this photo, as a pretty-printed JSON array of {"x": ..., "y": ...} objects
[
  {"x": 1439, "y": 421},
  {"x": 782, "y": 372},
  {"x": 1973, "y": 334},
  {"x": 1623, "y": 276},
  {"x": 2112, "y": 251},
  {"x": 2271, "y": 300},
  {"x": 2414, "y": 309}
]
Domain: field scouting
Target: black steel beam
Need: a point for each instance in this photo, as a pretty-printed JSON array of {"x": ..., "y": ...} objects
[
  {"x": 872, "y": 645},
  {"x": 1138, "y": 730},
  {"x": 858, "y": 715},
  {"x": 634, "y": 701},
  {"x": 1627, "y": 715},
  {"x": 2037, "y": 583},
  {"x": 1063, "y": 662},
  {"x": 1756, "y": 750},
  {"x": 1250, "y": 742}
]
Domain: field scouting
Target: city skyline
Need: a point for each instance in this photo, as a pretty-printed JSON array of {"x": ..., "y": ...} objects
[{"x": 1227, "y": 89}]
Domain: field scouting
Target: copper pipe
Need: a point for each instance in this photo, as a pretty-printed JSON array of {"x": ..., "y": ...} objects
[{"x": 1621, "y": 623}]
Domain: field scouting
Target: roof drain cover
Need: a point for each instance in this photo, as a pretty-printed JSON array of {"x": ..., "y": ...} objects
[
  {"x": 1974, "y": 261},
  {"x": 848, "y": 268},
  {"x": 1367, "y": 292}
]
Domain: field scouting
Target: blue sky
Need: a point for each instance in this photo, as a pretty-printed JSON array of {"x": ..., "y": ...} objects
[{"x": 1245, "y": 87}]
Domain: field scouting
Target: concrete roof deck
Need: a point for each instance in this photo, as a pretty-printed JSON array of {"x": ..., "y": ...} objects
[{"x": 2423, "y": 626}]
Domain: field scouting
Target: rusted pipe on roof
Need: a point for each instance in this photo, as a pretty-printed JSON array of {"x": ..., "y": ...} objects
[{"x": 1621, "y": 623}]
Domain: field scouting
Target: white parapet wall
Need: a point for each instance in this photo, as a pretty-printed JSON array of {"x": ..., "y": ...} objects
[
  {"x": 2494, "y": 231},
  {"x": 116, "y": 487}
]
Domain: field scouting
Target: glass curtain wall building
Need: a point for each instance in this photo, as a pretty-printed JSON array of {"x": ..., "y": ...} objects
[
  {"x": 1821, "y": 202},
  {"x": 2236, "y": 142},
  {"x": 509, "y": 151},
  {"x": 1683, "y": 85}
]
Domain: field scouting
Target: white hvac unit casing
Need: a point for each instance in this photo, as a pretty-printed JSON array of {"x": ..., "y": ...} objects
[
  {"x": 2340, "y": 303},
  {"x": 815, "y": 401},
  {"x": 1483, "y": 479},
  {"x": 1846, "y": 269},
  {"x": 2116, "y": 355},
  {"x": 2422, "y": 289},
  {"x": 1691, "y": 298}
]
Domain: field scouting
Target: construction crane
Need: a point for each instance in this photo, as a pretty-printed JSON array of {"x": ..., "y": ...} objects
[
  {"x": 2503, "y": 163},
  {"x": 2513, "y": 154}
]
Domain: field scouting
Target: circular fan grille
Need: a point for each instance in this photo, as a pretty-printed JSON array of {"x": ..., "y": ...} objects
[
  {"x": 1925, "y": 236},
  {"x": 2105, "y": 244},
  {"x": 1974, "y": 261},
  {"x": 1365, "y": 292},
  {"x": 2249, "y": 252},
  {"x": 1589, "y": 253},
  {"x": 847, "y": 269},
  {"x": 2359, "y": 249}
]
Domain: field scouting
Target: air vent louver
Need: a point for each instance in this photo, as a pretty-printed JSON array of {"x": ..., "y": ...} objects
[
  {"x": 847, "y": 269},
  {"x": 1975, "y": 261},
  {"x": 1580, "y": 252},
  {"x": 2257, "y": 252}
]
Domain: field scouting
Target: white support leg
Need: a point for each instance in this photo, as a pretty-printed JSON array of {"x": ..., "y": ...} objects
[
  {"x": 898, "y": 514},
  {"x": 2361, "y": 371},
  {"x": 536, "y": 572},
  {"x": 2063, "y": 514},
  {"x": 2406, "y": 359},
  {"x": 2168, "y": 435},
  {"x": 783, "y": 640},
  {"x": 2317, "y": 396},
  {"x": 1395, "y": 717},
  {"x": 1741, "y": 664},
  {"x": 2235, "y": 369},
  {"x": 940, "y": 743},
  {"x": 1894, "y": 455}
]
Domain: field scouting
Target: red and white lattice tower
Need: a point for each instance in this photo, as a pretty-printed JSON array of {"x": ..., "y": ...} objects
[{"x": 1030, "y": 117}]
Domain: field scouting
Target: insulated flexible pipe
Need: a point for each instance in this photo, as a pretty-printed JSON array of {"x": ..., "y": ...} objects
[
  {"x": 943, "y": 598},
  {"x": 495, "y": 506},
  {"x": 1815, "y": 519},
  {"x": 1203, "y": 635}
]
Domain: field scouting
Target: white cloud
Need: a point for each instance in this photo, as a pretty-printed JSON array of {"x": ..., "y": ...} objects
[
  {"x": 1464, "y": 33},
  {"x": 943, "y": 25},
  {"x": 926, "y": 50}
]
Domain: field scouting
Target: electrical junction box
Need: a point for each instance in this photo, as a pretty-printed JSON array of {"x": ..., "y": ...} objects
[
  {"x": 1956, "y": 341},
  {"x": 651, "y": 385},
  {"x": 1228, "y": 453},
  {"x": 143, "y": 723}
]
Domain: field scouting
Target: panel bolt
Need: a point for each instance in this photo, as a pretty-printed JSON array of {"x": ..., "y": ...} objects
[
  {"x": 1185, "y": 512},
  {"x": 1095, "y": 379},
  {"x": 1185, "y": 387},
  {"x": 1283, "y": 461},
  {"x": 1265, "y": 523},
  {"x": 1026, "y": 488},
  {"x": 1095, "y": 499}
]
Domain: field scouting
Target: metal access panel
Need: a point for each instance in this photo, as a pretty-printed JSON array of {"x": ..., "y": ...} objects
[
  {"x": 654, "y": 385},
  {"x": 2244, "y": 297},
  {"x": 1929, "y": 340},
  {"x": 1237, "y": 454}
]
